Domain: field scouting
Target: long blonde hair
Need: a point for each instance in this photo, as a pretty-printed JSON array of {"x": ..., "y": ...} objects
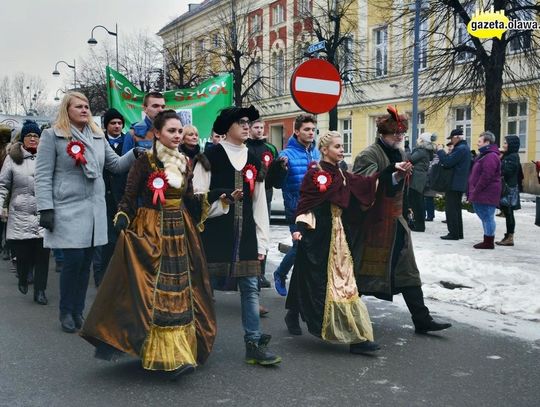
[
  {"x": 63, "y": 124},
  {"x": 326, "y": 139}
]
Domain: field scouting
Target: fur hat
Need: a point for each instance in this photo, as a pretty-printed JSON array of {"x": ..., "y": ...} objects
[
  {"x": 230, "y": 115},
  {"x": 5, "y": 134},
  {"x": 393, "y": 122},
  {"x": 112, "y": 114},
  {"x": 28, "y": 127}
]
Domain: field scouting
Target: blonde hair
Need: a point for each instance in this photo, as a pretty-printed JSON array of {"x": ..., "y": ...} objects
[
  {"x": 63, "y": 124},
  {"x": 191, "y": 129},
  {"x": 326, "y": 139}
]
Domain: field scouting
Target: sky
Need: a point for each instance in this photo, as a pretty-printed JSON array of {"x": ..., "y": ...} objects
[{"x": 35, "y": 34}]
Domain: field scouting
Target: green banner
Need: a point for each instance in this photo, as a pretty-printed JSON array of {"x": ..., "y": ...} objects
[{"x": 198, "y": 106}]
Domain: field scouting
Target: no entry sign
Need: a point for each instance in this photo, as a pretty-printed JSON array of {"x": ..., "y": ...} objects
[{"x": 316, "y": 86}]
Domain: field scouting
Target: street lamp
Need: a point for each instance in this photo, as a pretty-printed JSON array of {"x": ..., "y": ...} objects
[
  {"x": 92, "y": 41},
  {"x": 57, "y": 73},
  {"x": 56, "y": 98}
]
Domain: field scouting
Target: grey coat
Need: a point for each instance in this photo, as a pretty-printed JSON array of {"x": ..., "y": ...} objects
[
  {"x": 420, "y": 157},
  {"x": 80, "y": 214},
  {"x": 17, "y": 177}
]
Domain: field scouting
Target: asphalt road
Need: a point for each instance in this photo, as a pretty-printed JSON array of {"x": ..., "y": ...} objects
[{"x": 464, "y": 366}]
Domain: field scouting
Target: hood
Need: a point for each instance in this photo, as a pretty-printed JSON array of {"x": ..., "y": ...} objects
[{"x": 513, "y": 144}]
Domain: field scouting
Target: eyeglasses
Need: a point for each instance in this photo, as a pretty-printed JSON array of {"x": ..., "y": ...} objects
[
  {"x": 31, "y": 135},
  {"x": 243, "y": 122},
  {"x": 399, "y": 134}
]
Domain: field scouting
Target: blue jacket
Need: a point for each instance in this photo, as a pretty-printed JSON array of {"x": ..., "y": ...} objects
[
  {"x": 460, "y": 161},
  {"x": 141, "y": 128},
  {"x": 299, "y": 157}
]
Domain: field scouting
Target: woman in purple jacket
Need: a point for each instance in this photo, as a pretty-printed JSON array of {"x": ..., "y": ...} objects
[{"x": 484, "y": 187}]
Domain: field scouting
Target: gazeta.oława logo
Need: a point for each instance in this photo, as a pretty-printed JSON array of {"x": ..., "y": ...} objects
[{"x": 489, "y": 24}]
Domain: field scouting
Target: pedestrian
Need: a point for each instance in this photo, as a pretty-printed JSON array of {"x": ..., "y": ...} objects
[
  {"x": 113, "y": 122},
  {"x": 266, "y": 152},
  {"x": 155, "y": 301},
  {"x": 484, "y": 186},
  {"x": 420, "y": 157},
  {"x": 291, "y": 167},
  {"x": 5, "y": 138},
  {"x": 70, "y": 194},
  {"x": 510, "y": 202},
  {"x": 190, "y": 144},
  {"x": 23, "y": 230},
  {"x": 459, "y": 159},
  {"x": 236, "y": 235},
  {"x": 143, "y": 136},
  {"x": 214, "y": 140},
  {"x": 383, "y": 254},
  {"x": 323, "y": 287}
]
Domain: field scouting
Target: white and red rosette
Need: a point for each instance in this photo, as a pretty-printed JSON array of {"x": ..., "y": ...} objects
[
  {"x": 267, "y": 158},
  {"x": 76, "y": 149},
  {"x": 157, "y": 183},
  {"x": 322, "y": 180},
  {"x": 250, "y": 174}
]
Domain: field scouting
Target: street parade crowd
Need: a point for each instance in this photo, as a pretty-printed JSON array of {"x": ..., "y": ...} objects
[{"x": 164, "y": 223}]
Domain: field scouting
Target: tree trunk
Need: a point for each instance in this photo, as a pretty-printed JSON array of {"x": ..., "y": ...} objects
[
  {"x": 493, "y": 89},
  {"x": 333, "y": 119}
]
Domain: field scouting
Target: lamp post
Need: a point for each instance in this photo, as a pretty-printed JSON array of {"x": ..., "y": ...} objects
[
  {"x": 418, "y": 7},
  {"x": 56, "y": 98},
  {"x": 57, "y": 73},
  {"x": 92, "y": 41}
]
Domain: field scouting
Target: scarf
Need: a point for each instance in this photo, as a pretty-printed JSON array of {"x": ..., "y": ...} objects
[
  {"x": 393, "y": 154},
  {"x": 174, "y": 162},
  {"x": 91, "y": 169}
]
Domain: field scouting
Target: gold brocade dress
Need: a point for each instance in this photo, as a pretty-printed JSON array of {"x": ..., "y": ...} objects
[{"x": 155, "y": 301}]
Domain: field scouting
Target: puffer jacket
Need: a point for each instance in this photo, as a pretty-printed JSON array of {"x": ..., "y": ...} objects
[
  {"x": 17, "y": 177},
  {"x": 299, "y": 158},
  {"x": 485, "y": 180}
]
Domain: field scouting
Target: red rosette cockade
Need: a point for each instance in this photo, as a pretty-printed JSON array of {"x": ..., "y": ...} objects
[
  {"x": 157, "y": 183},
  {"x": 76, "y": 149},
  {"x": 322, "y": 180},
  {"x": 267, "y": 158},
  {"x": 250, "y": 174}
]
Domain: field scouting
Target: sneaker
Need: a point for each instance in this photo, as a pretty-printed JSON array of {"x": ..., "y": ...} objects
[
  {"x": 257, "y": 353},
  {"x": 292, "y": 320},
  {"x": 279, "y": 283}
]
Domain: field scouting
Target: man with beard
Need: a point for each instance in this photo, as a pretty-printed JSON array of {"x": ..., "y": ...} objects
[{"x": 382, "y": 251}]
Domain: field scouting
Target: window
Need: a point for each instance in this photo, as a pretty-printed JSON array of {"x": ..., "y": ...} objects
[
  {"x": 516, "y": 121},
  {"x": 462, "y": 116},
  {"x": 348, "y": 60},
  {"x": 256, "y": 23},
  {"x": 346, "y": 132},
  {"x": 423, "y": 44},
  {"x": 277, "y": 14},
  {"x": 420, "y": 124},
  {"x": 278, "y": 62},
  {"x": 187, "y": 50},
  {"x": 522, "y": 39},
  {"x": 381, "y": 51},
  {"x": 200, "y": 47},
  {"x": 215, "y": 40},
  {"x": 463, "y": 37},
  {"x": 303, "y": 7}
]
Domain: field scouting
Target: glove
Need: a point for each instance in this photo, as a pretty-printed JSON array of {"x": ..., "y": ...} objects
[
  {"x": 214, "y": 194},
  {"x": 46, "y": 219},
  {"x": 138, "y": 151},
  {"x": 121, "y": 222}
]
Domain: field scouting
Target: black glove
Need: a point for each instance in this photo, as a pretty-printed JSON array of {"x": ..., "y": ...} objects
[
  {"x": 46, "y": 219},
  {"x": 214, "y": 194},
  {"x": 121, "y": 222},
  {"x": 138, "y": 151}
]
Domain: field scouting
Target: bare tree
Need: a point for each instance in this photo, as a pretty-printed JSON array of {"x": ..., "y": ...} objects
[
  {"x": 458, "y": 63},
  {"x": 22, "y": 94}
]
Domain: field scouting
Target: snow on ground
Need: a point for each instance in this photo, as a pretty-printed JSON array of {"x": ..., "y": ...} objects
[{"x": 505, "y": 280}]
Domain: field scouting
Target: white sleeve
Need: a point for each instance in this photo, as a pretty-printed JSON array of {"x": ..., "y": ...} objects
[
  {"x": 260, "y": 214},
  {"x": 201, "y": 185}
]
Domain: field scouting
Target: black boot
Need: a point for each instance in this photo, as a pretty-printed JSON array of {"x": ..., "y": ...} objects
[
  {"x": 258, "y": 353},
  {"x": 364, "y": 347},
  {"x": 431, "y": 326},
  {"x": 292, "y": 321},
  {"x": 66, "y": 320},
  {"x": 23, "y": 287},
  {"x": 40, "y": 298},
  {"x": 78, "y": 320}
]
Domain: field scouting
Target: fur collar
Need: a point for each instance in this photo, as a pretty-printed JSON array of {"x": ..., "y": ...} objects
[
  {"x": 18, "y": 153},
  {"x": 174, "y": 162}
]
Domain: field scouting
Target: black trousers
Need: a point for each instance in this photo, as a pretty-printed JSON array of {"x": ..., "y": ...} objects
[
  {"x": 414, "y": 298},
  {"x": 454, "y": 220},
  {"x": 416, "y": 203},
  {"x": 31, "y": 255},
  {"x": 510, "y": 220}
]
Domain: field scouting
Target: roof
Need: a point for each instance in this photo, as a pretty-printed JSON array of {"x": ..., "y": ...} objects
[{"x": 202, "y": 7}]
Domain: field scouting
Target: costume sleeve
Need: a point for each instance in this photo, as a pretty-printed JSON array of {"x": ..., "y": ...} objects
[
  {"x": 201, "y": 185},
  {"x": 136, "y": 181},
  {"x": 260, "y": 214},
  {"x": 45, "y": 165},
  {"x": 196, "y": 204},
  {"x": 6, "y": 177}
]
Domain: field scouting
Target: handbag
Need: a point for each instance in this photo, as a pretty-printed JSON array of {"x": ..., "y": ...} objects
[{"x": 511, "y": 198}]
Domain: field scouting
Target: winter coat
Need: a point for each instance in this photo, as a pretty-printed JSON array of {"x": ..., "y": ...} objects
[
  {"x": 510, "y": 162},
  {"x": 299, "y": 158},
  {"x": 485, "y": 179},
  {"x": 17, "y": 177},
  {"x": 420, "y": 157},
  {"x": 460, "y": 160},
  {"x": 80, "y": 219}
]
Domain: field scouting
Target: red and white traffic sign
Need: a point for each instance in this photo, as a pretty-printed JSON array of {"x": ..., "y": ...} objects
[{"x": 316, "y": 86}]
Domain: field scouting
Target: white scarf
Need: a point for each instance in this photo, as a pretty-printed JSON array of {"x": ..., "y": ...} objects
[{"x": 175, "y": 164}]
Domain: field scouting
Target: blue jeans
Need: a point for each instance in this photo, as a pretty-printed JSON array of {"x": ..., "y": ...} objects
[
  {"x": 288, "y": 261},
  {"x": 74, "y": 280},
  {"x": 486, "y": 213},
  {"x": 249, "y": 302},
  {"x": 58, "y": 255}
]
